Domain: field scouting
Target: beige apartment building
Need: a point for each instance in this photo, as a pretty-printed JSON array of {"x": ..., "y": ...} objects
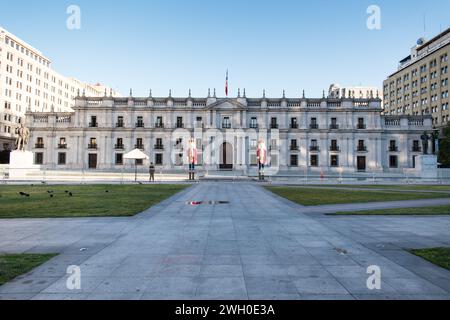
[
  {"x": 28, "y": 83},
  {"x": 420, "y": 86}
]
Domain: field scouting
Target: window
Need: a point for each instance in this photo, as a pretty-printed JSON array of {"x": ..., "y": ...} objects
[
  {"x": 93, "y": 123},
  {"x": 294, "y": 123},
  {"x": 39, "y": 158},
  {"x": 334, "y": 161},
  {"x": 334, "y": 145},
  {"x": 294, "y": 160},
  {"x": 393, "y": 161},
  {"x": 159, "y": 122},
  {"x": 416, "y": 146},
  {"x": 393, "y": 146},
  {"x": 93, "y": 143},
  {"x": 119, "y": 143},
  {"x": 226, "y": 123},
  {"x": 119, "y": 159},
  {"x": 361, "y": 146},
  {"x": 294, "y": 145},
  {"x": 314, "y": 160},
  {"x": 39, "y": 143},
  {"x": 179, "y": 122},
  {"x": 334, "y": 124},
  {"x": 62, "y": 143},
  {"x": 61, "y": 158},
  {"x": 314, "y": 124},
  {"x": 140, "y": 122},
  {"x": 254, "y": 123},
  {"x": 314, "y": 145},
  {"x": 274, "y": 123},
  {"x": 361, "y": 124},
  {"x": 139, "y": 162},
  {"x": 139, "y": 144},
  {"x": 159, "y": 159}
]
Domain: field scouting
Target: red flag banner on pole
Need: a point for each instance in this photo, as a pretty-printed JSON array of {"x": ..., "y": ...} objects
[{"x": 226, "y": 85}]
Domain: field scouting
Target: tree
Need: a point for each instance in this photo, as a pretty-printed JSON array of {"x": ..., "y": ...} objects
[{"x": 444, "y": 147}]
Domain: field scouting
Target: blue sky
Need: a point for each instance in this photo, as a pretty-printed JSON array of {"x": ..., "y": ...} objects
[{"x": 180, "y": 44}]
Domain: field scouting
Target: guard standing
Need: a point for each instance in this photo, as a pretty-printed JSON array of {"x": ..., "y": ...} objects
[
  {"x": 261, "y": 156},
  {"x": 151, "y": 171},
  {"x": 192, "y": 158}
]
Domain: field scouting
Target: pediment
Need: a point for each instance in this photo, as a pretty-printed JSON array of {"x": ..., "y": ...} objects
[{"x": 227, "y": 104}]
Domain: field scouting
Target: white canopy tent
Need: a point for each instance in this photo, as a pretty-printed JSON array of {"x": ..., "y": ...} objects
[{"x": 136, "y": 154}]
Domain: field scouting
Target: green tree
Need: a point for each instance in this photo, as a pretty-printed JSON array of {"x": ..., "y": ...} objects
[{"x": 444, "y": 147}]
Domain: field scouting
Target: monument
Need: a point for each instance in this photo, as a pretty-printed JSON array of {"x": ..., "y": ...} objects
[
  {"x": 426, "y": 164},
  {"x": 21, "y": 160}
]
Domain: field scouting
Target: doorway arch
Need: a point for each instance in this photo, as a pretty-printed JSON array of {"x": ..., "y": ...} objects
[{"x": 226, "y": 156}]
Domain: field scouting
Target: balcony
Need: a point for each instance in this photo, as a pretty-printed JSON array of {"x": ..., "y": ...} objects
[
  {"x": 119, "y": 125},
  {"x": 159, "y": 147},
  {"x": 314, "y": 148},
  {"x": 139, "y": 146},
  {"x": 314, "y": 126},
  {"x": 254, "y": 126},
  {"x": 119, "y": 147},
  {"x": 335, "y": 149},
  {"x": 334, "y": 127},
  {"x": 393, "y": 149},
  {"x": 226, "y": 125},
  {"x": 361, "y": 126},
  {"x": 361, "y": 149},
  {"x": 179, "y": 125},
  {"x": 92, "y": 146},
  {"x": 416, "y": 149},
  {"x": 274, "y": 126},
  {"x": 294, "y": 147},
  {"x": 294, "y": 125},
  {"x": 93, "y": 125},
  {"x": 140, "y": 125},
  {"x": 159, "y": 125},
  {"x": 39, "y": 146},
  {"x": 62, "y": 146}
]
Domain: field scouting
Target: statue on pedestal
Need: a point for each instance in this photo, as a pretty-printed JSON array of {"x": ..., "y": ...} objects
[
  {"x": 424, "y": 138},
  {"x": 23, "y": 135}
]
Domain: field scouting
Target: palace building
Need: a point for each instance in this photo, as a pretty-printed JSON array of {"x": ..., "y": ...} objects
[{"x": 302, "y": 135}]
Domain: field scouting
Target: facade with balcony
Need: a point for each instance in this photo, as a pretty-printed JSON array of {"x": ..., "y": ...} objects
[{"x": 345, "y": 134}]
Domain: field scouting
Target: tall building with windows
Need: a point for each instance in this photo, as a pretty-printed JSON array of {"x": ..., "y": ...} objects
[
  {"x": 420, "y": 86},
  {"x": 27, "y": 81},
  {"x": 344, "y": 135}
]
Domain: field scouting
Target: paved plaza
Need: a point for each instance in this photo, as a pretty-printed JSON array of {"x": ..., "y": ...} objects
[{"x": 257, "y": 246}]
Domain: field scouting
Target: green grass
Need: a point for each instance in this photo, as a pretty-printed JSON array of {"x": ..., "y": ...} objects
[
  {"x": 425, "y": 211},
  {"x": 87, "y": 200},
  {"x": 313, "y": 196},
  {"x": 438, "y": 256},
  {"x": 14, "y": 265},
  {"x": 392, "y": 187}
]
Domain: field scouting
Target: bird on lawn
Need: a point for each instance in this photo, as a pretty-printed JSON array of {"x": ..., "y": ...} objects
[
  {"x": 107, "y": 191},
  {"x": 66, "y": 191},
  {"x": 51, "y": 196},
  {"x": 23, "y": 194},
  {"x": 70, "y": 194}
]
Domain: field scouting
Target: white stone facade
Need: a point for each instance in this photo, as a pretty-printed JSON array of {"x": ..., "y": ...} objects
[{"x": 303, "y": 135}]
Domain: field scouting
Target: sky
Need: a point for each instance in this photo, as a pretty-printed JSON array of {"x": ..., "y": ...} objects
[{"x": 178, "y": 45}]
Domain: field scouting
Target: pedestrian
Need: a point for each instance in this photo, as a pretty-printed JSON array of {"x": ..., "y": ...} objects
[{"x": 151, "y": 171}]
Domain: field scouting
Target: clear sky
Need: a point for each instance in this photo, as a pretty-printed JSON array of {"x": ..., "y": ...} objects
[{"x": 182, "y": 44}]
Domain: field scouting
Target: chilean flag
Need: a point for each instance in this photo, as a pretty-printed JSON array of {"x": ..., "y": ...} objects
[{"x": 226, "y": 85}]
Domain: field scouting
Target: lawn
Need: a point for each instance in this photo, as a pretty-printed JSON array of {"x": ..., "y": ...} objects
[
  {"x": 408, "y": 187},
  {"x": 46, "y": 201},
  {"x": 438, "y": 256},
  {"x": 313, "y": 196},
  {"x": 14, "y": 265},
  {"x": 425, "y": 211}
]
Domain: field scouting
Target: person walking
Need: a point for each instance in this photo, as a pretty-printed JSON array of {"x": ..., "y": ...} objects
[{"x": 151, "y": 171}]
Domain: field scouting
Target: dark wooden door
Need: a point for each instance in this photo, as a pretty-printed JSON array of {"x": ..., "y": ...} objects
[
  {"x": 361, "y": 163},
  {"x": 92, "y": 161}
]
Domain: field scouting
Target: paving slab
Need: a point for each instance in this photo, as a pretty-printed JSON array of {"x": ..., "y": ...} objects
[{"x": 258, "y": 246}]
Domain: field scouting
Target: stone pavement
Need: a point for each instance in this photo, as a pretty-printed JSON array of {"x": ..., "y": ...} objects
[{"x": 258, "y": 246}]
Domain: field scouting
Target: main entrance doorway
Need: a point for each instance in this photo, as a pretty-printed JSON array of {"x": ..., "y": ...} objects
[{"x": 226, "y": 157}]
